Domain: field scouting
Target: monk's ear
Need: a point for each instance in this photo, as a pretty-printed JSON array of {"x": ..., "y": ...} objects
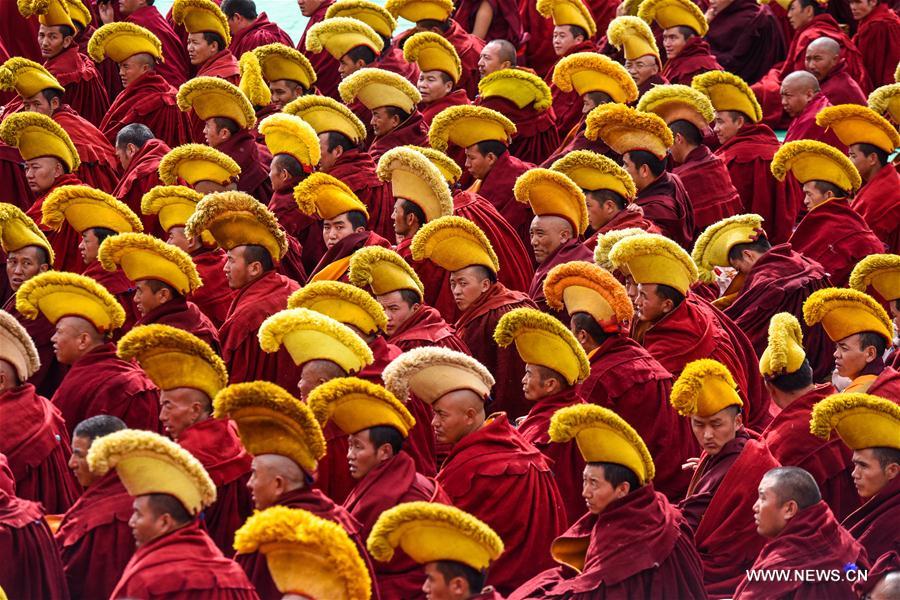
[
  {"x": 790, "y": 509},
  {"x": 622, "y": 490}
]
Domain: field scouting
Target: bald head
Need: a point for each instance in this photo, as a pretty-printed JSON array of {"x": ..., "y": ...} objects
[
  {"x": 74, "y": 337},
  {"x": 496, "y": 55},
  {"x": 456, "y": 415},
  {"x": 888, "y": 588},
  {"x": 548, "y": 233},
  {"x": 315, "y": 373},
  {"x": 822, "y": 57},
  {"x": 802, "y": 81},
  {"x": 271, "y": 477},
  {"x": 797, "y": 90},
  {"x": 794, "y": 484}
]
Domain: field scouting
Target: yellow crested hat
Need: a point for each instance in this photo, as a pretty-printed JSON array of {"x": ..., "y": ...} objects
[
  {"x": 84, "y": 207},
  {"x": 340, "y": 35},
  {"x": 373, "y": 15},
  {"x": 582, "y": 287},
  {"x": 713, "y": 245},
  {"x": 550, "y": 193},
  {"x": 420, "y": 10},
  {"x": 466, "y": 125},
  {"x": 326, "y": 114},
  {"x": 271, "y": 421},
  {"x": 37, "y": 135},
  {"x": 855, "y": 124},
  {"x": 174, "y": 358},
  {"x": 446, "y": 165},
  {"x": 148, "y": 463},
  {"x": 625, "y": 129},
  {"x": 704, "y": 388},
  {"x": 591, "y": 171},
  {"x": 79, "y": 13},
  {"x": 674, "y": 13},
  {"x": 383, "y": 271},
  {"x": 280, "y": 62},
  {"x": 376, "y": 88},
  {"x": 49, "y": 12},
  {"x": 202, "y": 16},
  {"x": 811, "y": 160},
  {"x": 432, "y": 372},
  {"x": 173, "y": 204},
  {"x": 214, "y": 97},
  {"x": 433, "y": 53},
  {"x": 355, "y": 404},
  {"x": 326, "y": 196},
  {"x": 238, "y": 219},
  {"x": 454, "y": 243},
  {"x": 886, "y": 101},
  {"x": 519, "y": 87},
  {"x": 252, "y": 83},
  {"x": 17, "y": 348},
  {"x": 342, "y": 302},
  {"x": 861, "y": 420},
  {"x": 568, "y": 12},
  {"x": 121, "y": 40},
  {"x": 143, "y": 256},
  {"x": 633, "y": 37},
  {"x": 727, "y": 91},
  {"x": 60, "y": 294},
  {"x": 17, "y": 231},
  {"x": 585, "y": 72},
  {"x": 543, "y": 340},
  {"x": 414, "y": 178},
  {"x": 26, "y": 77},
  {"x": 291, "y": 135},
  {"x": 430, "y": 532},
  {"x": 880, "y": 271},
  {"x": 308, "y": 335},
  {"x": 194, "y": 163},
  {"x": 675, "y": 102},
  {"x": 606, "y": 241},
  {"x": 306, "y": 555},
  {"x": 784, "y": 353},
  {"x": 845, "y": 312},
  {"x": 653, "y": 258}
]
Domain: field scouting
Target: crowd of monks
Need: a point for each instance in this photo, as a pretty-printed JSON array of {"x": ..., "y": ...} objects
[{"x": 526, "y": 301}]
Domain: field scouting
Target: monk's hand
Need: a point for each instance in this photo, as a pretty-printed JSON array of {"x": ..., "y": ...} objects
[
  {"x": 691, "y": 464},
  {"x": 107, "y": 15},
  {"x": 710, "y": 14},
  {"x": 635, "y": 209}
]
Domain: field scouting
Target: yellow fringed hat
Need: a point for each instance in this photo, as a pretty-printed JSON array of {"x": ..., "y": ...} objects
[
  {"x": 238, "y": 219},
  {"x": 174, "y": 358},
  {"x": 287, "y": 134},
  {"x": 431, "y": 52},
  {"x": 420, "y": 10},
  {"x": 591, "y": 171},
  {"x": 308, "y": 335},
  {"x": 202, "y": 16},
  {"x": 603, "y": 436},
  {"x": 845, "y": 312},
  {"x": 430, "y": 532},
  {"x": 550, "y": 193},
  {"x": 383, "y": 271},
  {"x": 414, "y": 178},
  {"x": 373, "y": 15},
  {"x": 49, "y": 12},
  {"x": 713, "y": 245},
  {"x": 784, "y": 354},
  {"x": 252, "y": 84},
  {"x": 454, "y": 243},
  {"x": 79, "y": 13},
  {"x": 280, "y": 62},
  {"x": 633, "y": 37},
  {"x": 675, "y": 102},
  {"x": 194, "y": 163},
  {"x": 466, "y": 125},
  {"x": 704, "y": 388},
  {"x": 653, "y": 258},
  {"x": 143, "y": 256},
  {"x": 342, "y": 302},
  {"x": 880, "y": 271},
  {"x": 121, "y": 40},
  {"x": 855, "y": 124},
  {"x": 543, "y": 340},
  {"x": 446, "y": 165},
  {"x": 861, "y": 420},
  {"x": 582, "y": 287},
  {"x": 585, "y": 72},
  {"x": 26, "y": 77},
  {"x": 148, "y": 463},
  {"x": 326, "y": 196},
  {"x": 174, "y": 205},
  {"x": 674, "y": 13},
  {"x": 568, "y": 12},
  {"x": 606, "y": 241},
  {"x": 214, "y": 97},
  {"x": 811, "y": 160},
  {"x": 355, "y": 404},
  {"x": 625, "y": 129},
  {"x": 376, "y": 88},
  {"x": 59, "y": 294},
  {"x": 37, "y": 135},
  {"x": 727, "y": 91},
  {"x": 326, "y": 114},
  {"x": 432, "y": 372},
  {"x": 340, "y": 35},
  {"x": 271, "y": 421},
  {"x": 519, "y": 87},
  {"x": 17, "y": 231},
  {"x": 306, "y": 555},
  {"x": 886, "y": 101},
  {"x": 84, "y": 207},
  {"x": 17, "y": 348}
]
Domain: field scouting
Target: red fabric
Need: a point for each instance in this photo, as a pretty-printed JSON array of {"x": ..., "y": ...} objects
[
  {"x": 804, "y": 127},
  {"x": 306, "y": 229},
  {"x": 324, "y": 65},
  {"x": 469, "y": 48},
  {"x": 572, "y": 250},
  {"x": 259, "y": 33},
  {"x": 99, "y": 167},
  {"x": 537, "y": 135},
  {"x": 887, "y": 384},
  {"x": 142, "y": 175},
  {"x": 506, "y": 23},
  {"x": 497, "y": 188},
  {"x": 708, "y": 185},
  {"x": 254, "y": 177},
  {"x": 624, "y": 219},
  {"x": 65, "y": 241},
  {"x": 411, "y": 132},
  {"x": 51, "y": 373},
  {"x": 568, "y": 105},
  {"x": 12, "y": 174},
  {"x": 874, "y": 524},
  {"x": 666, "y": 203},
  {"x": 149, "y": 100},
  {"x": 746, "y": 39},
  {"x": 537, "y": 52},
  {"x": 214, "y": 297},
  {"x": 886, "y": 563},
  {"x": 878, "y": 40},
  {"x": 840, "y": 88},
  {"x": 575, "y": 140},
  {"x": 431, "y": 109},
  {"x": 836, "y": 237},
  {"x": 222, "y": 64},
  {"x": 176, "y": 69},
  {"x": 878, "y": 202},
  {"x": 391, "y": 59},
  {"x": 94, "y": 538},
  {"x": 694, "y": 58},
  {"x": 18, "y": 33},
  {"x": 332, "y": 474},
  {"x": 119, "y": 286},
  {"x": 435, "y": 279},
  {"x": 813, "y": 539},
  {"x": 357, "y": 169},
  {"x": 625, "y": 378},
  {"x": 85, "y": 91},
  {"x": 426, "y": 327},
  {"x": 348, "y": 246}
]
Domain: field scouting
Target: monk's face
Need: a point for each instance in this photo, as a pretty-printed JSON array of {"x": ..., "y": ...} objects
[
  {"x": 271, "y": 476},
  {"x": 860, "y": 9},
  {"x": 383, "y": 122},
  {"x": 548, "y": 233},
  {"x": 215, "y": 135},
  {"x": 336, "y": 229},
  {"x": 867, "y": 164},
  {"x": 468, "y": 285},
  {"x": 23, "y": 264},
  {"x": 490, "y": 60},
  {"x": 347, "y": 66},
  {"x": 433, "y": 85},
  {"x": 199, "y": 50},
  {"x": 89, "y": 246},
  {"x": 651, "y": 306},
  {"x": 769, "y": 512},
  {"x": 52, "y": 41},
  {"x": 643, "y": 68},
  {"x": 180, "y": 408},
  {"x": 674, "y": 41},
  {"x": 133, "y": 67},
  {"x": 179, "y": 240},
  {"x": 72, "y": 339},
  {"x": 798, "y": 15},
  {"x": 397, "y": 308},
  {"x": 477, "y": 164},
  {"x": 564, "y": 40},
  {"x": 794, "y": 97},
  {"x": 237, "y": 272},
  {"x": 146, "y": 525},
  {"x": 40, "y": 173},
  {"x": 437, "y": 587},
  {"x": 726, "y": 126},
  {"x": 598, "y": 493},
  {"x": 538, "y": 383},
  {"x": 600, "y": 211},
  {"x": 869, "y": 476},
  {"x": 404, "y": 222},
  {"x": 714, "y": 431},
  {"x": 126, "y": 7},
  {"x": 78, "y": 461},
  {"x": 316, "y": 372},
  {"x": 456, "y": 415},
  {"x": 851, "y": 357},
  {"x": 308, "y": 7},
  {"x": 813, "y": 196},
  {"x": 39, "y": 104},
  {"x": 363, "y": 456},
  {"x": 146, "y": 299},
  {"x": 284, "y": 91},
  {"x": 820, "y": 61},
  {"x": 632, "y": 288}
]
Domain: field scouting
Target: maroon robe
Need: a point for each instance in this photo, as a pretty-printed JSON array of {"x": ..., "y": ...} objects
[
  {"x": 85, "y": 91},
  {"x": 306, "y": 229},
  {"x": 356, "y": 168},
  {"x": 506, "y": 23},
  {"x": 572, "y": 250},
  {"x": 222, "y": 64},
  {"x": 878, "y": 40},
  {"x": 468, "y": 48},
  {"x": 176, "y": 69},
  {"x": 695, "y": 58},
  {"x": 568, "y": 106},
  {"x": 878, "y": 203},
  {"x": 99, "y": 167},
  {"x": 12, "y": 174},
  {"x": 804, "y": 126},
  {"x": 324, "y": 65},
  {"x": 46, "y": 379},
  {"x": 141, "y": 176},
  {"x": 149, "y": 100},
  {"x": 426, "y": 327},
  {"x": 340, "y": 253},
  {"x": 435, "y": 280},
  {"x": 887, "y": 383},
  {"x": 332, "y": 473},
  {"x": 254, "y": 178},
  {"x": 391, "y": 59},
  {"x": 651, "y": 83},
  {"x": 708, "y": 185},
  {"x": 65, "y": 241},
  {"x": 214, "y": 297},
  {"x": 575, "y": 140},
  {"x": 411, "y": 132},
  {"x": 260, "y": 32},
  {"x": 874, "y": 524},
  {"x": 624, "y": 219},
  {"x": 497, "y": 188},
  {"x": 746, "y": 39},
  {"x": 117, "y": 284},
  {"x": 185, "y": 315},
  {"x": 537, "y": 134},
  {"x": 666, "y": 203},
  {"x": 488, "y": 474},
  {"x": 538, "y": 49},
  {"x": 840, "y": 88},
  {"x": 18, "y": 33},
  {"x": 430, "y": 110}
]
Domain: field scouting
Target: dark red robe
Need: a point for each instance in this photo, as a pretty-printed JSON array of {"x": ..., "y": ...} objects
[
  {"x": 537, "y": 52},
  {"x": 887, "y": 383},
  {"x": 874, "y": 523},
  {"x": 391, "y": 59},
  {"x": 708, "y": 185},
  {"x": 568, "y": 105},
  {"x": 695, "y": 58},
  {"x": 12, "y": 174},
  {"x": 435, "y": 279},
  {"x": 878, "y": 203},
  {"x": 332, "y": 473},
  {"x": 340, "y": 253},
  {"x": 18, "y": 33},
  {"x": 254, "y": 164},
  {"x": 356, "y": 168},
  {"x": 185, "y": 315},
  {"x": 260, "y": 32},
  {"x": 426, "y": 327},
  {"x": 176, "y": 69},
  {"x": 575, "y": 140},
  {"x": 624, "y": 219},
  {"x": 431, "y": 109},
  {"x": 99, "y": 167},
  {"x": 142, "y": 175},
  {"x": 46, "y": 379},
  {"x": 804, "y": 127},
  {"x": 840, "y": 88},
  {"x": 85, "y": 91},
  {"x": 666, "y": 203},
  {"x": 324, "y": 65},
  {"x": 117, "y": 284},
  {"x": 506, "y": 23},
  {"x": 537, "y": 133},
  {"x": 306, "y": 229},
  {"x": 65, "y": 241},
  {"x": 222, "y": 64},
  {"x": 572, "y": 250},
  {"x": 497, "y": 188},
  {"x": 878, "y": 40},
  {"x": 411, "y": 132},
  {"x": 149, "y": 100},
  {"x": 746, "y": 39},
  {"x": 214, "y": 297}
]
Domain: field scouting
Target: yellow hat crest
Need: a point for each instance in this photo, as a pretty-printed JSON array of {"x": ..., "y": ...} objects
[
  {"x": 340, "y": 35},
  {"x": 861, "y": 420},
  {"x": 280, "y": 62},
  {"x": 880, "y": 271},
  {"x": 121, "y": 40},
  {"x": 704, "y": 388},
  {"x": 355, "y": 404},
  {"x": 550, "y": 193},
  {"x": 26, "y": 77},
  {"x": 79, "y": 13},
  {"x": 727, "y": 91},
  {"x": 326, "y": 196},
  {"x": 433, "y": 53},
  {"x": 214, "y": 97},
  {"x": 414, "y": 178},
  {"x": 143, "y": 256},
  {"x": 326, "y": 114},
  {"x": 606, "y": 241},
  {"x": 585, "y": 72},
  {"x": 383, "y": 271},
  {"x": 420, "y": 10},
  {"x": 844, "y": 312},
  {"x": 17, "y": 231},
  {"x": 674, "y": 13},
  {"x": 519, "y": 87},
  {"x": 785, "y": 353},
  {"x": 432, "y": 372},
  {"x": 174, "y": 205},
  {"x": 202, "y": 16},
  {"x": 49, "y": 12},
  {"x": 59, "y": 294},
  {"x": 342, "y": 302},
  {"x": 376, "y": 88},
  {"x": 886, "y": 101},
  {"x": 84, "y": 207},
  {"x": 194, "y": 163},
  {"x": 633, "y": 37},
  {"x": 568, "y": 12},
  {"x": 454, "y": 243},
  {"x": 625, "y": 129},
  {"x": 582, "y": 287},
  {"x": 37, "y": 135},
  {"x": 287, "y": 134},
  {"x": 854, "y": 124},
  {"x": 811, "y": 160},
  {"x": 238, "y": 219},
  {"x": 678, "y": 103},
  {"x": 373, "y": 15},
  {"x": 653, "y": 258},
  {"x": 591, "y": 171},
  {"x": 713, "y": 245},
  {"x": 466, "y": 125},
  {"x": 446, "y": 165},
  {"x": 252, "y": 84},
  {"x": 17, "y": 348}
]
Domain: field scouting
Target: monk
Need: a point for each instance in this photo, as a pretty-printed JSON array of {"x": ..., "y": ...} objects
[
  {"x": 661, "y": 195},
  {"x": 159, "y": 302},
  {"x": 568, "y": 40},
  {"x": 228, "y": 137},
  {"x": 393, "y": 127},
  {"x": 437, "y": 89},
  {"x": 210, "y": 56},
  {"x": 802, "y": 99},
  {"x": 414, "y": 324},
  {"x": 94, "y": 538},
  {"x": 823, "y": 59},
  {"x": 139, "y": 153},
  {"x": 688, "y": 54},
  {"x": 284, "y": 175},
  {"x": 250, "y": 30},
  {"x": 324, "y": 65},
  {"x": 115, "y": 282},
  {"x": 876, "y": 38},
  {"x": 745, "y": 37},
  {"x": 876, "y": 201},
  {"x": 554, "y": 242},
  {"x": 11, "y": 171}
]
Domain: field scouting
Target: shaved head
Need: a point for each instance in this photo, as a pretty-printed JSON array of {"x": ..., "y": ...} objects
[
  {"x": 548, "y": 233},
  {"x": 824, "y": 44},
  {"x": 794, "y": 483},
  {"x": 801, "y": 81},
  {"x": 456, "y": 415},
  {"x": 822, "y": 57},
  {"x": 316, "y": 372},
  {"x": 271, "y": 477},
  {"x": 797, "y": 90},
  {"x": 281, "y": 466},
  {"x": 505, "y": 50},
  {"x": 888, "y": 588}
]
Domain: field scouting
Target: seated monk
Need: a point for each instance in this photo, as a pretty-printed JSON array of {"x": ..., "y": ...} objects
[
  {"x": 878, "y": 28},
  {"x": 489, "y": 463},
  {"x": 745, "y": 37},
  {"x": 139, "y": 153},
  {"x": 170, "y": 489},
  {"x": 286, "y": 71},
  {"x": 632, "y": 36},
  {"x": 718, "y": 505},
  {"x": 874, "y": 275},
  {"x": 655, "y": 554},
  {"x": 439, "y": 72},
  {"x": 823, "y": 59},
  {"x": 208, "y": 38},
  {"x": 623, "y": 377},
  {"x": 36, "y": 443},
  {"x": 285, "y": 174},
  {"x": 250, "y": 30},
  {"x": 802, "y": 100},
  {"x": 802, "y": 533},
  {"x": 94, "y": 538},
  {"x": 884, "y": 578},
  {"x": 683, "y": 27}
]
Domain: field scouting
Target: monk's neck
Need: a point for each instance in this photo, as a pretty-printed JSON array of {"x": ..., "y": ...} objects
[{"x": 784, "y": 399}]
